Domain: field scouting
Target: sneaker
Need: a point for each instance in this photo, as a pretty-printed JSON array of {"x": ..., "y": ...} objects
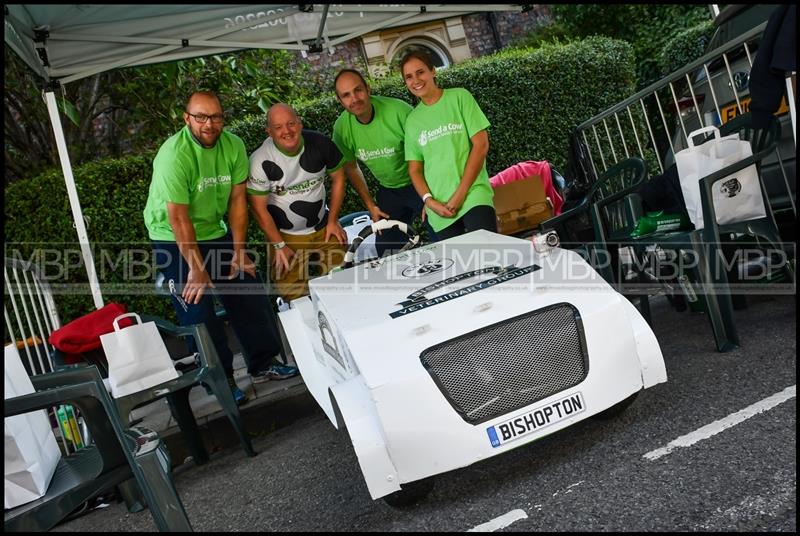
[
  {"x": 237, "y": 393},
  {"x": 186, "y": 364},
  {"x": 275, "y": 372}
]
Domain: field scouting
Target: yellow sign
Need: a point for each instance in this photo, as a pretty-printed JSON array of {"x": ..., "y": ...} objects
[{"x": 731, "y": 110}]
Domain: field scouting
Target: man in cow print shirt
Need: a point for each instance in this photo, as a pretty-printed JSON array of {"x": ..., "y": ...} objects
[{"x": 286, "y": 192}]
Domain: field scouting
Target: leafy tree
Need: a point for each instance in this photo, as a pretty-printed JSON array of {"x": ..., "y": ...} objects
[
  {"x": 134, "y": 109},
  {"x": 29, "y": 142},
  {"x": 552, "y": 32},
  {"x": 248, "y": 82},
  {"x": 685, "y": 47},
  {"x": 648, "y": 27}
]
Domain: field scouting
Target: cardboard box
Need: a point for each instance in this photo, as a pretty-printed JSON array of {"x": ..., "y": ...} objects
[{"x": 521, "y": 205}]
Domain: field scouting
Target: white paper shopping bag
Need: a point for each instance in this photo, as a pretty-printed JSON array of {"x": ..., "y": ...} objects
[
  {"x": 737, "y": 197},
  {"x": 137, "y": 357},
  {"x": 31, "y": 452}
]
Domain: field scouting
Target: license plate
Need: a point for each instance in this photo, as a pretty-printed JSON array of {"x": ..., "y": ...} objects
[
  {"x": 536, "y": 419},
  {"x": 729, "y": 111}
]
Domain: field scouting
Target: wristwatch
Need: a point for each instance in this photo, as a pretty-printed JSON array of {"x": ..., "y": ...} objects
[{"x": 279, "y": 245}]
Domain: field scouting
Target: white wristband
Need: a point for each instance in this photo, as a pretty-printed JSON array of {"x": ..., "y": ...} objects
[
  {"x": 279, "y": 245},
  {"x": 426, "y": 197}
]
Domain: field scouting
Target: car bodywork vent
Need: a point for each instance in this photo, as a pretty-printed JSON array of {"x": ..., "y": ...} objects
[{"x": 508, "y": 365}]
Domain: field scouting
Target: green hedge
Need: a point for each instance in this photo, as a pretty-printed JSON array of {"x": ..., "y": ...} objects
[
  {"x": 685, "y": 47},
  {"x": 113, "y": 193},
  {"x": 533, "y": 99}
]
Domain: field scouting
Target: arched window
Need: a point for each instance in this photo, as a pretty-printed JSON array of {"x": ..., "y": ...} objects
[{"x": 441, "y": 60}]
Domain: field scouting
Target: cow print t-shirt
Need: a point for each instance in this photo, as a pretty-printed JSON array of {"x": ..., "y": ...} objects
[{"x": 295, "y": 184}]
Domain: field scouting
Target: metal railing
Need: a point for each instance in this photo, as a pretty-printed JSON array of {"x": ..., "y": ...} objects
[
  {"x": 645, "y": 124},
  {"x": 30, "y": 313},
  {"x": 31, "y": 316}
]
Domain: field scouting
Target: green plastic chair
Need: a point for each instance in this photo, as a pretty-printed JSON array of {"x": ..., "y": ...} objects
[
  {"x": 704, "y": 244},
  {"x": 612, "y": 208},
  {"x": 208, "y": 372},
  {"x": 117, "y": 454}
]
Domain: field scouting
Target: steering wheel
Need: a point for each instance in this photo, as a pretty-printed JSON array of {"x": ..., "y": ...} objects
[{"x": 380, "y": 225}]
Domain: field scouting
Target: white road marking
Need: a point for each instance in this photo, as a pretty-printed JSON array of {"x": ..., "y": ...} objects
[
  {"x": 718, "y": 426},
  {"x": 500, "y": 522},
  {"x": 568, "y": 489}
]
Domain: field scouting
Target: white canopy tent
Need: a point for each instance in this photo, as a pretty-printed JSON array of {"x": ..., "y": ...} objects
[{"x": 64, "y": 43}]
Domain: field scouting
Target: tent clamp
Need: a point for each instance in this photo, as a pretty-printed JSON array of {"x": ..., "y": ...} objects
[
  {"x": 423, "y": 9},
  {"x": 306, "y": 8},
  {"x": 184, "y": 43},
  {"x": 315, "y": 48},
  {"x": 40, "y": 35},
  {"x": 526, "y": 7},
  {"x": 40, "y": 38},
  {"x": 51, "y": 85}
]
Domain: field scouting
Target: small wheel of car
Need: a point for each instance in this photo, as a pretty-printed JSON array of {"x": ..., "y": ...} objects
[
  {"x": 410, "y": 493},
  {"x": 617, "y": 408}
]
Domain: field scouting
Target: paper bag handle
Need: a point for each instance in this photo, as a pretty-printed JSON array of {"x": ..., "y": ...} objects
[
  {"x": 116, "y": 320},
  {"x": 703, "y": 130}
]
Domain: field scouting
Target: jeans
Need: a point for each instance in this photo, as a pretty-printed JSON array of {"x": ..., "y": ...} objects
[{"x": 244, "y": 298}]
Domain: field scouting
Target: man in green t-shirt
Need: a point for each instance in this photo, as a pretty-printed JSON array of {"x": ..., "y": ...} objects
[
  {"x": 199, "y": 175},
  {"x": 371, "y": 129}
]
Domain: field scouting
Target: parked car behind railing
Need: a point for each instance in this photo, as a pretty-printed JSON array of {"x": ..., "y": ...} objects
[{"x": 729, "y": 96}]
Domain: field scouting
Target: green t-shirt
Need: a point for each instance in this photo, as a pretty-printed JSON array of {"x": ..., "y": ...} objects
[
  {"x": 379, "y": 143},
  {"x": 186, "y": 173},
  {"x": 439, "y": 137}
]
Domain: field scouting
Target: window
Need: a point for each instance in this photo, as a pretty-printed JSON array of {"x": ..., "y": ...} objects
[{"x": 441, "y": 59}]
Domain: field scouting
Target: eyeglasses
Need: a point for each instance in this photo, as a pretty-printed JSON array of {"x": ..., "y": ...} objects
[{"x": 203, "y": 118}]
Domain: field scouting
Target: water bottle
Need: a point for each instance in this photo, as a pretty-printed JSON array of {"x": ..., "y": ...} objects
[
  {"x": 697, "y": 304},
  {"x": 686, "y": 286}
]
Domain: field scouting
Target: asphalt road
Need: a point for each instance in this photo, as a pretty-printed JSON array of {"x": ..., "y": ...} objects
[{"x": 593, "y": 476}]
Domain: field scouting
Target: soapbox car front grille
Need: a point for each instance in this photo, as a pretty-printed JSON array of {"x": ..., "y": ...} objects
[{"x": 508, "y": 365}]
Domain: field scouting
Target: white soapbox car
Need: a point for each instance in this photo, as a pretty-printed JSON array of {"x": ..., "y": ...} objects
[{"x": 441, "y": 356}]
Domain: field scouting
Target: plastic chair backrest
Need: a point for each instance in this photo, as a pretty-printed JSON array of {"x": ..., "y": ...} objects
[
  {"x": 614, "y": 213},
  {"x": 115, "y": 456}
]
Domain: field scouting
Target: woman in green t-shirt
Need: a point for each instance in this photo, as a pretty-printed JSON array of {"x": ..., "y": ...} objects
[{"x": 446, "y": 143}]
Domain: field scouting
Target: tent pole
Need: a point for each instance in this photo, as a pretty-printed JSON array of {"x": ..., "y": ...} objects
[
  {"x": 318, "y": 42},
  {"x": 74, "y": 202}
]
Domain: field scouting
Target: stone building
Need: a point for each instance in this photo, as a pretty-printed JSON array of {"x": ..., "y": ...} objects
[{"x": 449, "y": 41}]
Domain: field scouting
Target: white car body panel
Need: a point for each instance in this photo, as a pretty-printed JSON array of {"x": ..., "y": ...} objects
[{"x": 367, "y": 354}]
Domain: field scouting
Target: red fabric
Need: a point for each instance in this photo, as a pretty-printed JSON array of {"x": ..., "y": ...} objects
[
  {"x": 83, "y": 334},
  {"x": 526, "y": 169}
]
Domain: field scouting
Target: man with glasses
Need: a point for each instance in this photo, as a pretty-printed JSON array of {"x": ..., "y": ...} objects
[
  {"x": 198, "y": 176},
  {"x": 286, "y": 192}
]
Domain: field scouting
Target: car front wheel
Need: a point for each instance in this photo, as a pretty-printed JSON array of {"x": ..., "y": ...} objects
[
  {"x": 410, "y": 493},
  {"x": 617, "y": 408}
]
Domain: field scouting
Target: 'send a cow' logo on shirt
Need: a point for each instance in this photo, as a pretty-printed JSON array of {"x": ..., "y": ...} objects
[
  {"x": 449, "y": 129},
  {"x": 383, "y": 152},
  {"x": 205, "y": 182}
]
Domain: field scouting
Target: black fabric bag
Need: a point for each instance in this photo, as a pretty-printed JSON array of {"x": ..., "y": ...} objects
[{"x": 663, "y": 192}]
